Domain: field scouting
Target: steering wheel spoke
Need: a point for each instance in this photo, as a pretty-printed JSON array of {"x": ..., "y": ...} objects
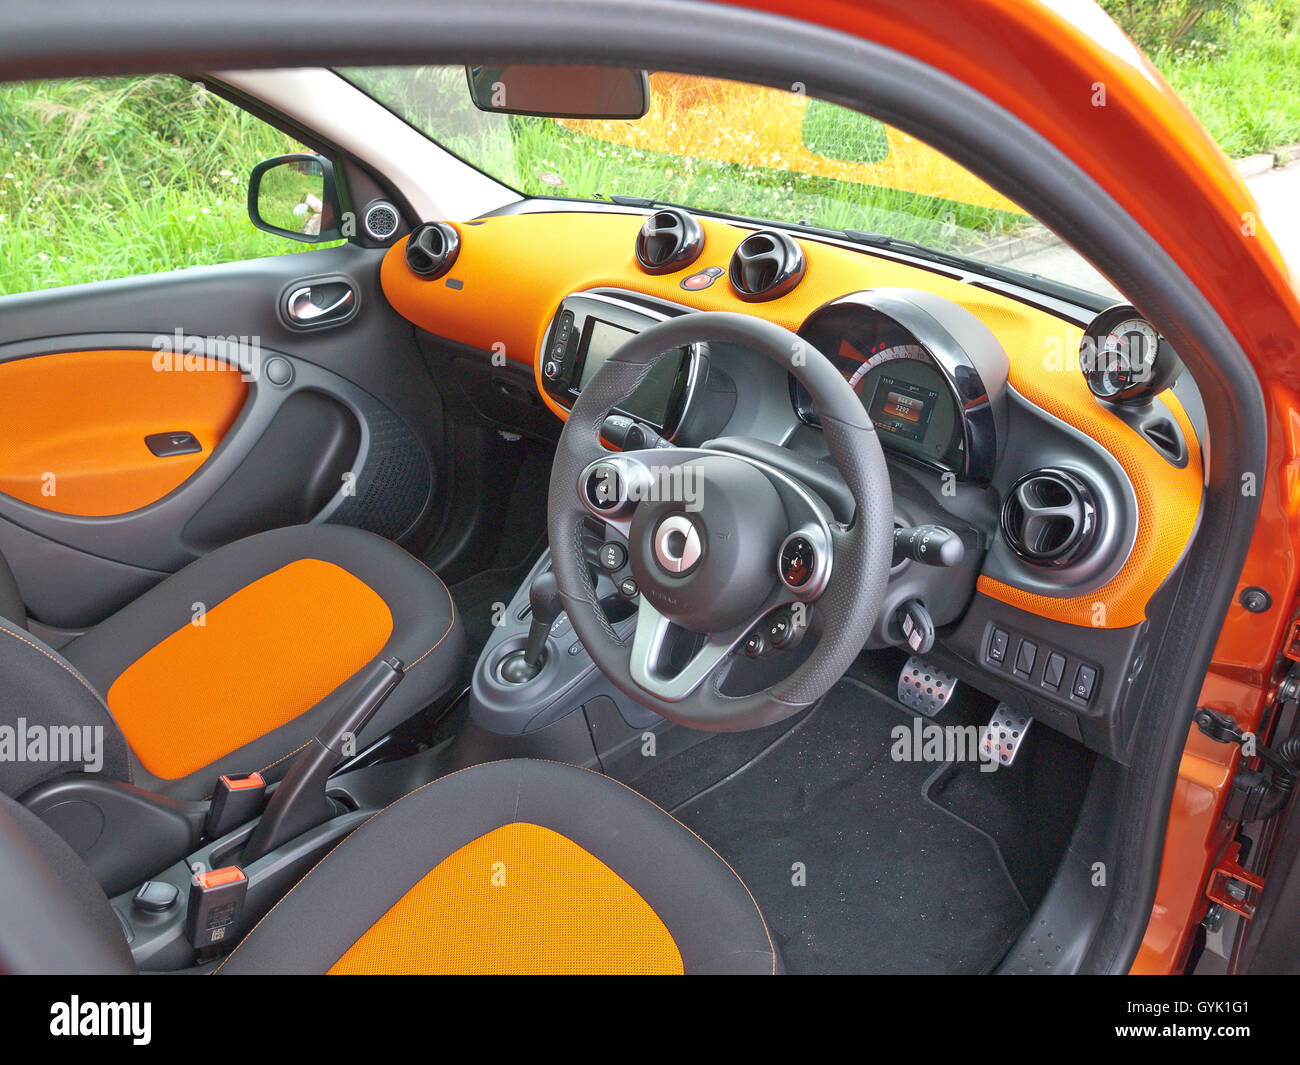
[{"x": 652, "y": 647}]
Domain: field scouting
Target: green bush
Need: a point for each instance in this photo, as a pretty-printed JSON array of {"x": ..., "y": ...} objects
[{"x": 1175, "y": 25}]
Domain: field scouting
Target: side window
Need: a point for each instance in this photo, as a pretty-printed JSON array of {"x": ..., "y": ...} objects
[{"x": 103, "y": 178}]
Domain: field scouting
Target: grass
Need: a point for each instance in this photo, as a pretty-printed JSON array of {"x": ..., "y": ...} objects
[
  {"x": 1244, "y": 83},
  {"x": 114, "y": 177}
]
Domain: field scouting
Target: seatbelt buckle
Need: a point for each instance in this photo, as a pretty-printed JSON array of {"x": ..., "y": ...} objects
[
  {"x": 216, "y": 903},
  {"x": 237, "y": 798}
]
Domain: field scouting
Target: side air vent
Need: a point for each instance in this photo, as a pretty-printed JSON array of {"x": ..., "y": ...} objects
[
  {"x": 431, "y": 249},
  {"x": 670, "y": 240},
  {"x": 380, "y": 221},
  {"x": 1049, "y": 518},
  {"x": 765, "y": 266}
]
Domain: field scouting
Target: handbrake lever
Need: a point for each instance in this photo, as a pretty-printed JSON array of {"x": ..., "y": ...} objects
[{"x": 300, "y": 802}]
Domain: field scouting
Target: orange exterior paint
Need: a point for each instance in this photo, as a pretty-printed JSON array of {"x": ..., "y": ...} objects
[
  {"x": 552, "y": 255},
  {"x": 83, "y": 416},
  {"x": 265, "y": 655},
  {"x": 519, "y": 900}
]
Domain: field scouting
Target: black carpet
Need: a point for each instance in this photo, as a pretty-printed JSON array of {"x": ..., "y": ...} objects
[{"x": 893, "y": 883}]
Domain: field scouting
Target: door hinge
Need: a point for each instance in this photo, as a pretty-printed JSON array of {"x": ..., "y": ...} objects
[{"x": 1232, "y": 887}]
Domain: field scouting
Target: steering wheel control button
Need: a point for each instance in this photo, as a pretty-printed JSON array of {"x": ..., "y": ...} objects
[
  {"x": 1084, "y": 680},
  {"x": 998, "y": 646},
  {"x": 798, "y": 561},
  {"x": 612, "y": 555},
  {"x": 677, "y": 544},
  {"x": 754, "y": 645},
  {"x": 1026, "y": 653},
  {"x": 628, "y": 588},
  {"x": 604, "y": 488},
  {"x": 551, "y": 369},
  {"x": 1054, "y": 671}
]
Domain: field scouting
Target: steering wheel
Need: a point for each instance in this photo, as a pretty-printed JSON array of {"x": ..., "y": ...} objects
[{"x": 717, "y": 542}]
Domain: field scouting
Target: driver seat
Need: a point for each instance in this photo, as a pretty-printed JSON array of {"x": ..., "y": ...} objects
[{"x": 515, "y": 867}]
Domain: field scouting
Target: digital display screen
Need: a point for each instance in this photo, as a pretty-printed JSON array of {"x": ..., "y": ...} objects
[
  {"x": 650, "y": 401},
  {"x": 601, "y": 341},
  {"x": 902, "y": 408}
]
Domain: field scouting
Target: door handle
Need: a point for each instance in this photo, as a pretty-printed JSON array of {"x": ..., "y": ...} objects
[{"x": 302, "y": 309}]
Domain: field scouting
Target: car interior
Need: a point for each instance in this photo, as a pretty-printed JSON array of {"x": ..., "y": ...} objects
[{"x": 576, "y": 584}]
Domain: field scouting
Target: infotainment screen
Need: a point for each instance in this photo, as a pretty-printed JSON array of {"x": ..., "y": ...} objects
[{"x": 650, "y": 401}]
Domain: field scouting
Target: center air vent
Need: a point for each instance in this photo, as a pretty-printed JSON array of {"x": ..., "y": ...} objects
[
  {"x": 431, "y": 249},
  {"x": 1049, "y": 518},
  {"x": 670, "y": 240},
  {"x": 766, "y": 265}
]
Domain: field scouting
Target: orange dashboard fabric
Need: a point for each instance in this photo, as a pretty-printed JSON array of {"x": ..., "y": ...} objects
[
  {"x": 521, "y": 899},
  {"x": 513, "y": 271},
  {"x": 263, "y": 656},
  {"x": 82, "y": 417}
]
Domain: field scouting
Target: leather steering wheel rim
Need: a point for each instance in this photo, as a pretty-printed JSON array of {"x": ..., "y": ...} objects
[{"x": 861, "y": 551}]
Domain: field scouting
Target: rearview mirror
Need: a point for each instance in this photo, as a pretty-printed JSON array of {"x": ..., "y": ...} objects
[
  {"x": 294, "y": 196},
  {"x": 560, "y": 91}
]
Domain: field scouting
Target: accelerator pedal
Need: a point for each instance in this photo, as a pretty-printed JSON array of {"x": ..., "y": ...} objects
[
  {"x": 923, "y": 687},
  {"x": 1004, "y": 734}
]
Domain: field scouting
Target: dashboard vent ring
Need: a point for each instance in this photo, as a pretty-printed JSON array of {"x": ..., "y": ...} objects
[
  {"x": 1049, "y": 517},
  {"x": 431, "y": 249},
  {"x": 766, "y": 265},
  {"x": 669, "y": 240}
]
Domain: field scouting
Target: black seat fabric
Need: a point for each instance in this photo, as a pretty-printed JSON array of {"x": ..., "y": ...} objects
[
  {"x": 396, "y": 896},
  {"x": 364, "y": 888},
  {"x": 232, "y": 696}
]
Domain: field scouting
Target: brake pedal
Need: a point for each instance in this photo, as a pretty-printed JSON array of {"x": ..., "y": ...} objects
[
  {"x": 1004, "y": 734},
  {"x": 924, "y": 688}
]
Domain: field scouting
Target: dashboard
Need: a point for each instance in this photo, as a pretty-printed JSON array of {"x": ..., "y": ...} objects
[{"x": 1059, "y": 443}]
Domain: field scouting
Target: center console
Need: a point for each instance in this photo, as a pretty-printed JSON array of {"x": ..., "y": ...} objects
[{"x": 588, "y": 328}]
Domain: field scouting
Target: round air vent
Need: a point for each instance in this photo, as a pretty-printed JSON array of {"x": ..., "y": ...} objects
[
  {"x": 669, "y": 240},
  {"x": 1049, "y": 517},
  {"x": 766, "y": 265},
  {"x": 431, "y": 249},
  {"x": 380, "y": 221}
]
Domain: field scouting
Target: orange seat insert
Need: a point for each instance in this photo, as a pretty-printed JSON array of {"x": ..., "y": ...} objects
[
  {"x": 520, "y": 899},
  {"x": 260, "y": 658}
]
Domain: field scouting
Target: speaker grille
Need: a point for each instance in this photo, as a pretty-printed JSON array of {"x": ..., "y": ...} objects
[{"x": 380, "y": 221}]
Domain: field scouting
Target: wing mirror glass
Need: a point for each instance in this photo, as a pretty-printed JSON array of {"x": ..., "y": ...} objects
[{"x": 295, "y": 196}]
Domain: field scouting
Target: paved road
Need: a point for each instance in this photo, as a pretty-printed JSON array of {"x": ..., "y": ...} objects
[
  {"x": 1278, "y": 194},
  {"x": 1276, "y": 191}
]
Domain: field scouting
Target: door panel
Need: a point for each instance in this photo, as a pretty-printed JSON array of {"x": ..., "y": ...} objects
[
  {"x": 338, "y": 423},
  {"x": 74, "y": 437}
]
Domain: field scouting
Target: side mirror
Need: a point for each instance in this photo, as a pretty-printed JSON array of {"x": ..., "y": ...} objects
[{"x": 294, "y": 196}]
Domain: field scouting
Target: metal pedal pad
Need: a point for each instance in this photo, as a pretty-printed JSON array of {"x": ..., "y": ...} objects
[
  {"x": 924, "y": 688},
  {"x": 1004, "y": 734}
]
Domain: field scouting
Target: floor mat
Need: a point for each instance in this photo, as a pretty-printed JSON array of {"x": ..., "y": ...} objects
[{"x": 892, "y": 883}]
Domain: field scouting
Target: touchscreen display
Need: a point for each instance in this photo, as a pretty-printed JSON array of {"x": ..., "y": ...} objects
[{"x": 650, "y": 401}]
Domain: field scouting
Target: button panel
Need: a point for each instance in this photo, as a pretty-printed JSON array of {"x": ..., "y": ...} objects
[{"x": 1046, "y": 670}]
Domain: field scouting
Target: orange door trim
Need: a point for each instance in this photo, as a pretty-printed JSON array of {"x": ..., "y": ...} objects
[{"x": 72, "y": 426}]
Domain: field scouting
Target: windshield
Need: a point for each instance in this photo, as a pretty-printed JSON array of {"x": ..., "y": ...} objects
[{"x": 738, "y": 149}]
